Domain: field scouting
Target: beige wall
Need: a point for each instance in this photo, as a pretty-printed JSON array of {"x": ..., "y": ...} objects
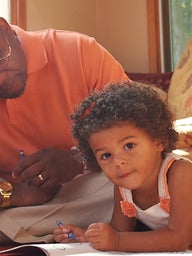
[{"x": 119, "y": 25}]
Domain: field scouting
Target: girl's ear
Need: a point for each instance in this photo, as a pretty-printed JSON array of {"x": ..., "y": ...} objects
[{"x": 159, "y": 145}]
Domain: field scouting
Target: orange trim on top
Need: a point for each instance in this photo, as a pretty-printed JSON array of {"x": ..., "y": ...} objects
[{"x": 168, "y": 165}]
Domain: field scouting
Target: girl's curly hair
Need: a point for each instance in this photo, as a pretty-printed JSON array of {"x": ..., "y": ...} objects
[{"x": 137, "y": 103}]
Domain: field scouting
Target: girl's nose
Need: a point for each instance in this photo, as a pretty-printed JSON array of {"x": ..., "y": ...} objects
[{"x": 120, "y": 160}]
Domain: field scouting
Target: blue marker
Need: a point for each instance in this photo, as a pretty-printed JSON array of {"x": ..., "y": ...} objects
[
  {"x": 21, "y": 153},
  {"x": 70, "y": 235},
  {"x": 22, "y": 156}
]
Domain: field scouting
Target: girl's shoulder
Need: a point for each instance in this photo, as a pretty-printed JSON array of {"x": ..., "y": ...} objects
[
  {"x": 182, "y": 163},
  {"x": 172, "y": 162},
  {"x": 180, "y": 173},
  {"x": 179, "y": 162}
]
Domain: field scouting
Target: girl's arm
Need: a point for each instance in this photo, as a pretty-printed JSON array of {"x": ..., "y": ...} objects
[
  {"x": 104, "y": 236},
  {"x": 119, "y": 221},
  {"x": 178, "y": 234}
]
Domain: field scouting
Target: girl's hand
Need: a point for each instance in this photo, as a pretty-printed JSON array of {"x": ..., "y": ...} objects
[
  {"x": 102, "y": 237},
  {"x": 61, "y": 234}
]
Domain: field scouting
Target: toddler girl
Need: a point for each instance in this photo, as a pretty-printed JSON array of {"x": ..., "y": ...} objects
[{"x": 127, "y": 132}]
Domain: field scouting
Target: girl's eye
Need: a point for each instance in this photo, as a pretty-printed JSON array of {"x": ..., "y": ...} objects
[
  {"x": 105, "y": 156},
  {"x": 129, "y": 146}
]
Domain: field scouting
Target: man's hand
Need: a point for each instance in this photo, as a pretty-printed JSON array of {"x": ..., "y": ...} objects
[
  {"x": 47, "y": 168},
  {"x": 25, "y": 195}
]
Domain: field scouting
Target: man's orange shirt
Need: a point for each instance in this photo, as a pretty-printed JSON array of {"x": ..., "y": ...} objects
[{"x": 63, "y": 68}]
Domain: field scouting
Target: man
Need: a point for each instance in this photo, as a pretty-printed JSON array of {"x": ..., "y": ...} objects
[{"x": 43, "y": 76}]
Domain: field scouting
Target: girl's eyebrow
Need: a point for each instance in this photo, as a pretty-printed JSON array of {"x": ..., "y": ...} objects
[
  {"x": 121, "y": 140},
  {"x": 127, "y": 137},
  {"x": 98, "y": 149}
]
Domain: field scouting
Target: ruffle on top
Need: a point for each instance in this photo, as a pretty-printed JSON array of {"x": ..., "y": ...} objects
[
  {"x": 165, "y": 204},
  {"x": 128, "y": 209}
]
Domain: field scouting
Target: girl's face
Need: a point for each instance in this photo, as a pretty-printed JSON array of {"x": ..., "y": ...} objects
[{"x": 127, "y": 155}]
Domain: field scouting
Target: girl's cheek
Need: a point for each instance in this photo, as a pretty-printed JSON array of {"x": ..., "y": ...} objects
[{"x": 106, "y": 169}]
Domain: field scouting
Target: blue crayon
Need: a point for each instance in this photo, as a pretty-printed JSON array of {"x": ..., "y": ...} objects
[
  {"x": 21, "y": 153},
  {"x": 70, "y": 235},
  {"x": 22, "y": 156}
]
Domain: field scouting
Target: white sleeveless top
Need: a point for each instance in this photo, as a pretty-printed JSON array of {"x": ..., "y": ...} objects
[{"x": 157, "y": 215}]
